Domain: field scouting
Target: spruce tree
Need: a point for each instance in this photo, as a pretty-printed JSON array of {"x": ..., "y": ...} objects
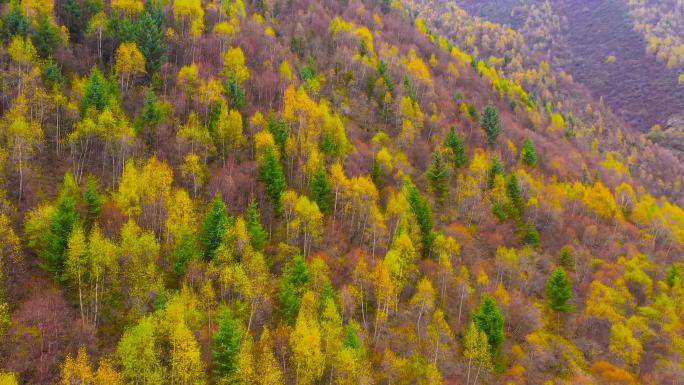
[
  {"x": 438, "y": 176},
  {"x": 421, "y": 209},
  {"x": 529, "y": 153},
  {"x": 376, "y": 171},
  {"x": 151, "y": 113},
  {"x": 150, "y": 37},
  {"x": 559, "y": 291},
  {"x": 495, "y": 168},
  {"x": 491, "y": 123},
  {"x": 213, "y": 227},
  {"x": 293, "y": 285},
  {"x": 454, "y": 142},
  {"x": 93, "y": 201},
  {"x": 184, "y": 252},
  {"x": 673, "y": 276},
  {"x": 226, "y": 344},
  {"x": 515, "y": 203},
  {"x": 63, "y": 221},
  {"x": 257, "y": 234},
  {"x": 272, "y": 175},
  {"x": 321, "y": 192},
  {"x": 490, "y": 320}
]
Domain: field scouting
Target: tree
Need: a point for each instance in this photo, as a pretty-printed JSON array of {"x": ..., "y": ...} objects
[
  {"x": 624, "y": 344},
  {"x": 491, "y": 123},
  {"x": 187, "y": 367},
  {"x": 226, "y": 344},
  {"x": 56, "y": 239},
  {"x": 213, "y": 227},
  {"x": 23, "y": 135},
  {"x": 150, "y": 35},
  {"x": 421, "y": 209},
  {"x": 93, "y": 201},
  {"x": 257, "y": 234},
  {"x": 305, "y": 342},
  {"x": 528, "y": 153},
  {"x": 139, "y": 354},
  {"x": 228, "y": 134},
  {"x": 272, "y": 175},
  {"x": 321, "y": 192},
  {"x": 559, "y": 291},
  {"x": 293, "y": 285},
  {"x": 438, "y": 176},
  {"x": 46, "y": 36},
  {"x": 454, "y": 142},
  {"x": 97, "y": 92},
  {"x": 267, "y": 365},
  {"x": 245, "y": 371},
  {"x": 566, "y": 259},
  {"x": 78, "y": 371},
  {"x": 234, "y": 65},
  {"x": 129, "y": 62},
  {"x": 489, "y": 319},
  {"x": 77, "y": 262},
  {"x": 476, "y": 348},
  {"x": 515, "y": 202}
]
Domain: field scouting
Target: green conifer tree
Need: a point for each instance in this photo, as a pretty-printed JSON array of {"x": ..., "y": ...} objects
[
  {"x": 257, "y": 234},
  {"x": 321, "y": 192},
  {"x": 421, "y": 209},
  {"x": 272, "y": 175},
  {"x": 491, "y": 123},
  {"x": 559, "y": 291},
  {"x": 529, "y": 153},
  {"x": 226, "y": 344},
  {"x": 438, "y": 176},
  {"x": 293, "y": 285},
  {"x": 489, "y": 318},
  {"x": 454, "y": 142},
  {"x": 213, "y": 227}
]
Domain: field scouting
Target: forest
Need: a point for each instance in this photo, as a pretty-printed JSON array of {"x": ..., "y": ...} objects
[{"x": 300, "y": 192}]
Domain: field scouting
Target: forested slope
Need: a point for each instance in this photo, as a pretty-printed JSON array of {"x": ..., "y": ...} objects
[{"x": 308, "y": 192}]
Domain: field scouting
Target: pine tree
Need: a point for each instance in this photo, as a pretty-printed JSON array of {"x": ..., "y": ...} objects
[
  {"x": 226, "y": 344},
  {"x": 96, "y": 93},
  {"x": 271, "y": 173},
  {"x": 454, "y": 142},
  {"x": 150, "y": 36},
  {"x": 293, "y": 284},
  {"x": 184, "y": 252},
  {"x": 559, "y": 291},
  {"x": 376, "y": 171},
  {"x": 529, "y": 153},
  {"x": 63, "y": 221},
  {"x": 515, "y": 203},
  {"x": 565, "y": 259},
  {"x": 490, "y": 320},
  {"x": 321, "y": 191},
  {"x": 257, "y": 234},
  {"x": 213, "y": 227},
  {"x": 93, "y": 201},
  {"x": 495, "y": 168},
  {"x": 151, "y": 113},
  {"x": 438, "y": 176},
  {"x": 491, "y": 123},
  {"x": 421, "y": 209}
]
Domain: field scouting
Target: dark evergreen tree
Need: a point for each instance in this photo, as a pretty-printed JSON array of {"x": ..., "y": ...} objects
[
  {"x": 185, "y": 250},
  {"x": 93, "y": 201},
  {"x": 45, "y": 36},
  {"x": 213, "y": 227},
  {"x": 454, "y": 142},
  {"x": 272, "y": 175},
  {"x": 559, "y": 291},
  {"x": 52, "y": 74},
  {"x": 529, "y": 153},
  {"x": 226, "y": 344},
  {"x": 97, "y": 92},
  {"x": 421, "y": 209},
  {"x": 489, "y": 318},
  {"x": 491, "y": 123},
  {"x": 278, "y": 128},
  {"x": 63, "y": 221},
  {"x": 14, "y": 22},
  {"x": 149, "y": 35},
  {"x": 376, "y": 171},
  {"x": 438, "y": 176},
  {"x": 495, "y": 168},
  {"x": 151, "y": 114},
  {"x": 328, "y": 144},
  {"x": 257, "y": 234},
  {"x": 293, "y": 285},
  {"x": 515, "y": 202},
  {"x": 321, "y": 192}
]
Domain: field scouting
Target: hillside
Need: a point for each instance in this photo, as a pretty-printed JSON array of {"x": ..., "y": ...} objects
[{"x": 307, "y": 192}]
